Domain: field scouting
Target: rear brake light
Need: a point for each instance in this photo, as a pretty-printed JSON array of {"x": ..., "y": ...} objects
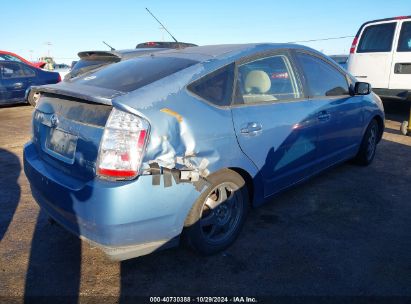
[
  {"x": 59, "y": 78},
  {"x": 122, "y": 146},
  {"x": 401, "y": 17},
  {"x": 354, "y": 45}
]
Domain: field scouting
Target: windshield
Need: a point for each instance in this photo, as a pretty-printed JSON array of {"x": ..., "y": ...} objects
[
  {"x": 129, "y": 75},
  {"x": 9, "y": 57}
]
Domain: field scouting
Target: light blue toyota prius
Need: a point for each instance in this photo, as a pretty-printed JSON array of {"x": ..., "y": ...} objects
[{"x": 179, "y": 144}]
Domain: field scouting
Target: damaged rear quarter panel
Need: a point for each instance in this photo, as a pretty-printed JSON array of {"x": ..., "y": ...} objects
[{"x": 185, "y": 127}]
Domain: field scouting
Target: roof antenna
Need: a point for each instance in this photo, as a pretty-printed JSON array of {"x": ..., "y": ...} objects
[
  {"x": 111, "y": 48},
  {"x": 161, "y": 24}
]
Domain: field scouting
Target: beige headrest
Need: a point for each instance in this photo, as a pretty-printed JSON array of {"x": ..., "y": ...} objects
[{"x": 258, "y": 80}]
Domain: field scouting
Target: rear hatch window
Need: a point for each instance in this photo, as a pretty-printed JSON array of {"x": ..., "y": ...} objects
[
  {"x": 130, "y": 75},
  {"x": 85, "y": 65}
]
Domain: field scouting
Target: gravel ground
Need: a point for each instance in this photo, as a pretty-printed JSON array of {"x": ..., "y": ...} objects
[{"x": 345, "y": 232}]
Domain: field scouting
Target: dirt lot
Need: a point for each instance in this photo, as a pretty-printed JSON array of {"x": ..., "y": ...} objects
[{"x": 346, "y": 232}]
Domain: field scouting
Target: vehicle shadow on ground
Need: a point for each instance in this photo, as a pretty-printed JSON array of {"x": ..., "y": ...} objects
[
  {"x": 9, "y": 188},
  {"x": 54, "y": 267}
]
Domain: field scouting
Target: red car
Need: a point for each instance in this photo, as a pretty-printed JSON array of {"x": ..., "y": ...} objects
[{"x": 4, "y": 55}]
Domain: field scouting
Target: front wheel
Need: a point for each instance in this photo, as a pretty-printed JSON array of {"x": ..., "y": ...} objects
[
  {"x": 368, "y": 146},
  {"x": 218, "y": 215}
]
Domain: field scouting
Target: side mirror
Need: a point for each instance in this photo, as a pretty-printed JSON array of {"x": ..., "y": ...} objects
[{"x": 362, "y": 88}]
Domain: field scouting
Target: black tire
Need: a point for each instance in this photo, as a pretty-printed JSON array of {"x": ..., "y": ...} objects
[
  {"x": 368, "y": 146},
  {"x": 203, "y": 222}
]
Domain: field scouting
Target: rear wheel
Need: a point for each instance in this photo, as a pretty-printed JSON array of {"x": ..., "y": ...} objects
[
  {"x": 217, "y": 217},
  {"x": 368, "y": 146}
]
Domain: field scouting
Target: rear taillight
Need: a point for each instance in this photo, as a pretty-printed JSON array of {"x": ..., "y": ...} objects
[
  {"x": 354, "y": 45},
  {"x": 59, "y": 78},
  {"x": 122, "y": 146}
]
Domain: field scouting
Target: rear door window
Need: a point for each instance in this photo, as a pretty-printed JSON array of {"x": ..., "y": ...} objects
[
  {"x": 11, "y": 70},
  {"x": 322, "y": 78},
  {"x": 216, "y": 87},
  {"x": 404, "y": 43},
  {"x": 132, "y": 74},
  {"x": 28, "y": 72},
  {"x": 267, "y": 80},
  {"x": 377, "y": 38}
]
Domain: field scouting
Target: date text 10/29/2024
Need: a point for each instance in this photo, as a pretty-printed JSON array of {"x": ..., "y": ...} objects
[{"x": 203, "y": 300}]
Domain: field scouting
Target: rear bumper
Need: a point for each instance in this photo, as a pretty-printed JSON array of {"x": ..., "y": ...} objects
[
  {"x": 396, "y": 95},
  {"x": 121, "y": 253},
  {"x": 125, "y": 219}
]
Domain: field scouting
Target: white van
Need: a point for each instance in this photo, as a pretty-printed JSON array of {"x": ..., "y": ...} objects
[{"x": 381, "y": 55}]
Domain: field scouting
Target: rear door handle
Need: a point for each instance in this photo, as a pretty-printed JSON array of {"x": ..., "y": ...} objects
[
  {"x": 324, "y": 116},
  {"x": 252, "y": 128}
]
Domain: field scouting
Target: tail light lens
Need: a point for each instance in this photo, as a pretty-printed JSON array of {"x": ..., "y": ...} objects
[
  {"x": 123, "y": 145},
  {"x": 59, "y": 78},
  {"x": 354, "y": 45}
]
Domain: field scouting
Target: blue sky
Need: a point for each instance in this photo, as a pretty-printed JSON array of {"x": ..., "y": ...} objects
[{"x": 73, "y": 26}]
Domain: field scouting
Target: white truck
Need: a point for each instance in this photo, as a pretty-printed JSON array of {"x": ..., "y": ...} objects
[{"x": 381, "y": 55}]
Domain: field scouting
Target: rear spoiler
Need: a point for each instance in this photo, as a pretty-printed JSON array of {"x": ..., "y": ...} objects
[
  {"x": 108, "y": 55},
  {"x": 76, "y": 91}
]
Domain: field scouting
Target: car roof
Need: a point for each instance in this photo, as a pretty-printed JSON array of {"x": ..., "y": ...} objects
[
  {"x": 120, "y": 54},
  {"x": 381, "y": 20},
  {"x": 9, "y": 53},
  {"x": 208, "y": 52},
  {"x": 196, "y": 53}
]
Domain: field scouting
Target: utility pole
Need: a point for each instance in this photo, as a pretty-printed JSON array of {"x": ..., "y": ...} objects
[{"x": 49, "y": 44}]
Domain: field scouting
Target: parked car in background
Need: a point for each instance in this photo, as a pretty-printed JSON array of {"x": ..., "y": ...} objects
[
  {"x": 340, "y": 59},
  {"x": 48, "y": 63},
  {"x": 91, "y": 60},
  {"x": 183, "y": 142},
  {"x": 16, "y": 77},
  {"x": 4, "y": 55},
  {"x": 62, "y": 68},
  {"x": 381, "y": 55}
]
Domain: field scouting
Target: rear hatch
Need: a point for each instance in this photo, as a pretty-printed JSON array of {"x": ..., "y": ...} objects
[
  {"x": 70, "y": 117},
  {"x": 67, "y": 132}
]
